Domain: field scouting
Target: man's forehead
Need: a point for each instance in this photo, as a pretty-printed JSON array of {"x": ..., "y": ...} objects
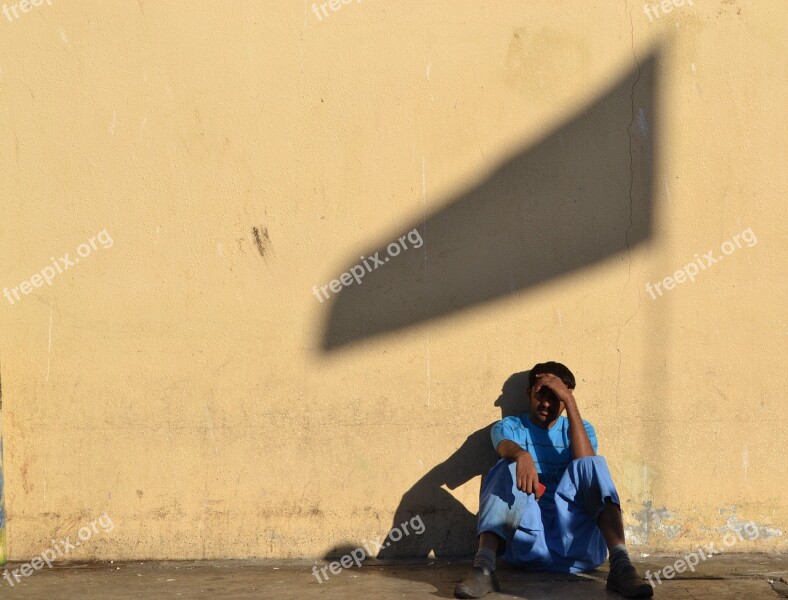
[{"x": 544, "y": 391}]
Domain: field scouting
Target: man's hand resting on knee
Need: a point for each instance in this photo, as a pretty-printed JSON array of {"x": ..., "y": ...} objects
[{"x": 527, "y": 477}]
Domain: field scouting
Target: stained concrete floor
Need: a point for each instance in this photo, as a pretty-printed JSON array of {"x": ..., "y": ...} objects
[{"x": 728, "y": 576}]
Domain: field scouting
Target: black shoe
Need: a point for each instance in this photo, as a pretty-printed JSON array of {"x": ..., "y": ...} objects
[
  {"x": 629, "y": 584},
  {"x": 478, "y": 582}
]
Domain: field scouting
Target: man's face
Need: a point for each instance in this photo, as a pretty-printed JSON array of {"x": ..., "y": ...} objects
[{"x": 545, "y": 406}]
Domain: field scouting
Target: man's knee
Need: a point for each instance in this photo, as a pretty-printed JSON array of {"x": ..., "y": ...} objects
[
  {"x": 590, "y": 465},
  {"x": 501, "y": 478},
  {"x": 590, "y": 474},
  {"x": 592, "y": 460}
]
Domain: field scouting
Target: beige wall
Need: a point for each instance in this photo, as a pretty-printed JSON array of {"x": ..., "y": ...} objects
[{"x": 187, "y": 382}]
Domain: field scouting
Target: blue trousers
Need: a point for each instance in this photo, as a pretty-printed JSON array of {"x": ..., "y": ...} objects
[{"x": 557, "y": 533}]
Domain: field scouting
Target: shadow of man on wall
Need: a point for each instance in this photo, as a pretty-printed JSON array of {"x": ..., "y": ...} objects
[{"x": 449, "y": 529}]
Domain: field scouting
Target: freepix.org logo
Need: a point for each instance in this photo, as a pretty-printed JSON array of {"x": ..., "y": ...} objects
[
  {"x": 23, "y": 6},
  {"x": 370, "y": 263},
  {"x": 58, "y": 266},
  {"x": 691, "y": 270},
  {"x": 703, "y": 553},
  {"x": 358, "y": 555},
  {"x": 321, "y": 11},
  {"x": 59, "y": 549}
]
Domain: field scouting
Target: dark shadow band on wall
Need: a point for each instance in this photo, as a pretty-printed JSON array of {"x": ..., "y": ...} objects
[{"x": 580, "y": 195}]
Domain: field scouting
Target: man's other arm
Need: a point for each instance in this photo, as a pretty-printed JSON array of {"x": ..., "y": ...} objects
[
  {"x": 578, "y": 437},
  {"x": 579, "y": 441}
]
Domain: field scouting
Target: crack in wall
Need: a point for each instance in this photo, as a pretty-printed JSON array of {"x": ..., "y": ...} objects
[{"x": 631, "y": 201}]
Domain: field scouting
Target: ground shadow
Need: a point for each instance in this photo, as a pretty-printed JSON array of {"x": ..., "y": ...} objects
[{"x": 579, "y": 195}]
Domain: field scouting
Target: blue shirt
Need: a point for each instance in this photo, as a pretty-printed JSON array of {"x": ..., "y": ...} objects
[{"x": 548, "y": 447}]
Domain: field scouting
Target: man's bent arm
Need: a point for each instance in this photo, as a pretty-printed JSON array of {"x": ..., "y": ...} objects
[
  {"x": 525, "y": 472},
  {"x": 509, "y": 450},
  {"x": 578, "y": 436}
]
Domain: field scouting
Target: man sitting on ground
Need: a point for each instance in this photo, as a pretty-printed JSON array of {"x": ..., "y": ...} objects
[{"x": 569, "y": 524}]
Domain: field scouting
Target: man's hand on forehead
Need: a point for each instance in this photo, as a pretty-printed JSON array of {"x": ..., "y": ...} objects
[{"x": 552, "y": 383}]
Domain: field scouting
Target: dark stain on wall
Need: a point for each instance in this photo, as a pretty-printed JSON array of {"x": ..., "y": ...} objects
[{"x": 261, "y": 240}]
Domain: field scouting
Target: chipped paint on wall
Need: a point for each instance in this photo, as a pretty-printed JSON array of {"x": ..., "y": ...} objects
[
  {"x": 652, "y": 520},
  {"x": 735, "y": 523},
  {"x": 654, "y": 526}
]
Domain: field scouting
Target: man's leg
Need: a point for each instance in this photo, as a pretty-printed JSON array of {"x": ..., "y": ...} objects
[
  {"x": 587, "y": 484},
  {"x": 481, "y": 579},
  {"x": 489, "y": 544},
  {"x": 490, "y": 541},
  {"x": 611, "y": 525},
  {"x": 502, "y": 510},
  {"x": 486, "y": 555}
]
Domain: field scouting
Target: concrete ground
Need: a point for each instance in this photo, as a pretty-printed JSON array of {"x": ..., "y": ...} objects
[{"x": 729, "y": 576}]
